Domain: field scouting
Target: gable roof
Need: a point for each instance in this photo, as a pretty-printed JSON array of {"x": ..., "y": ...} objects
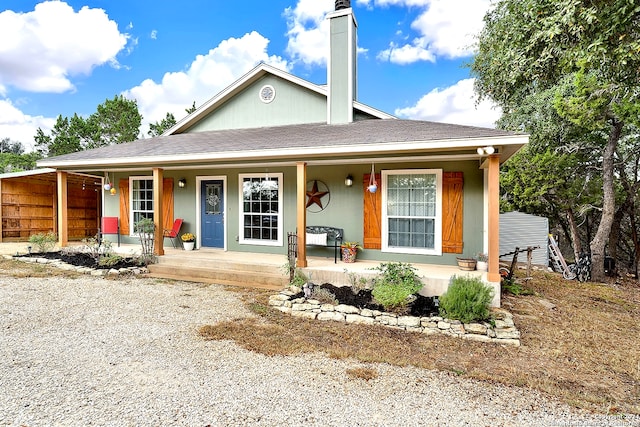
[
  {"x": 306, "y": 142},
  {"x": 245, "y": 81}
]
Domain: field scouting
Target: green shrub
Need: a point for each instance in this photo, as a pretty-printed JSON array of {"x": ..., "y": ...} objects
[
  {"x": 513, "y": 288},
  {"x": 299, "y": 278},
  {"x": 358, "y": 283},
  {"x": 109, "y": 260},
  {"x": 467, "y": 299},
  {"x": 395, "y": 284},
  {"x": 43, "y": 242}
]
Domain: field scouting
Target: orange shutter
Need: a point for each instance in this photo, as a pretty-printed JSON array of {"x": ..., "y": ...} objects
[
  {"x": 452, "y": 184},
  {"x": 124, "y": 206},
  {"x": 372, "y": 214},
  {"x": 167, "y": 203}
]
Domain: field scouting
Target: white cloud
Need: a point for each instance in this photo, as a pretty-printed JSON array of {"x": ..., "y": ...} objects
[
  {"x": 41, "y": 49},
  {"x": 445, "y": 27},
  {"x": 17, "y": 126},
  {"x": 449, "y": 27},
  {"x": 406, "y": 54},
  {"x": 206, "y": 75},
  {"x": 308, "y": 31},
  {"x": 455, "y": 104},
  {"x": 154, "y": 34}
]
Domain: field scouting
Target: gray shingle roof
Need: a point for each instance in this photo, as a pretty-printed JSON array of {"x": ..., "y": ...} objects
[{"x": 206, "y": 145}]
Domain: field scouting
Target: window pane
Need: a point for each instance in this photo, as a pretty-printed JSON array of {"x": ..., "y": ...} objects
[
  {"x": 411, "y": 210},
  {"x": 141, "y": 200},
  {"x": 261, "y": 208}
]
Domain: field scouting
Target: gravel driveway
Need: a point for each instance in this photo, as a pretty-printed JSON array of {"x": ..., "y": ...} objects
[{"x": 87, "y": 351}]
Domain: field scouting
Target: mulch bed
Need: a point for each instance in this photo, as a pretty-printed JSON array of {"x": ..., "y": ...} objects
[
  {"x": 421, "y": 307},
  {"x": 82, "y": 260}
]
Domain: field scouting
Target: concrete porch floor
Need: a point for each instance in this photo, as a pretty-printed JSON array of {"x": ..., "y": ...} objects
[{"x": 320, "y": 270}]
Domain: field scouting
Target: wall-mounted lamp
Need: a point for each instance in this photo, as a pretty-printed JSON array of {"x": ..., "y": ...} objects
[
  {"x": 348, "y": 181},
  {"x": 182, "y": 183},
  {"x": 488, "y": 150},
  {"x": 112, "y": 191}
]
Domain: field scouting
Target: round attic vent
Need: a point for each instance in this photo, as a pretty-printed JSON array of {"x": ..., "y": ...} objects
[{"x": 267, "y": 94}]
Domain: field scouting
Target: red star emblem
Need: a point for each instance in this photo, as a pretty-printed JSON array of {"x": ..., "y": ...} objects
[{"x": 315, "y": 196}]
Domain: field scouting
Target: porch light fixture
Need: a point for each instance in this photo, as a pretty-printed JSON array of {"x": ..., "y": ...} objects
[
  {"x": 112, "y": 191},
  {"x": 182, "y": 183},
  {"x": 373, "y": 184},
  {"x": 107, "y": 185},
  {"x": 488, "y": 150},
  {"x": 348, "y": 181}
]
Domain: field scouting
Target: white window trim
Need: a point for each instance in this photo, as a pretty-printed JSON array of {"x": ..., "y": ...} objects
[
  {"x": 132, "y": 232},
  {"x": 241, "y": 239},
  {"x": 437, "y": 242}
]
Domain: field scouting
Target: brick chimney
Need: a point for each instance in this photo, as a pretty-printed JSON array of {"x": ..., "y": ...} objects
[{"x": 342, "y": 65}]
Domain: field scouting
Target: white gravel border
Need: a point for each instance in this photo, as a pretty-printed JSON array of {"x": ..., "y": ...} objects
[{"x": 100, "y": 352}]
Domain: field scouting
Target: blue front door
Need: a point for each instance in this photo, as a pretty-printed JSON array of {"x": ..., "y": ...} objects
[{"x": 212, "y": 214}]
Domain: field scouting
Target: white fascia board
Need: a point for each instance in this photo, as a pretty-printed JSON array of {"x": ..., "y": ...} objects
[
  {"x": 300, "y": 152},
  {"x": 231, "y": 90}
]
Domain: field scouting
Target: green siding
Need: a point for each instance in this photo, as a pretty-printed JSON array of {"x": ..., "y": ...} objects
[
  {"x": 292, "y": 105},
  {"x": 340, "y": 102},
  {"x": 344, "y": 210}
]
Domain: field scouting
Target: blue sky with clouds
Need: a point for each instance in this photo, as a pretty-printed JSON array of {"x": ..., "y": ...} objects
[{"x": 66, "y": 57}]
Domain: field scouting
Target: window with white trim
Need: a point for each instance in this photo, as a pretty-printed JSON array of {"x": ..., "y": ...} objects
[
  {"x": 141, "y": 191},
  {"x": 411, "y": 211},
  {"x": 261, "y": 209}
]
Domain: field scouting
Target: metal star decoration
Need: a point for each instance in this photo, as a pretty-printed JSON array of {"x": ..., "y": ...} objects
[{"x": 315, "y": 196}]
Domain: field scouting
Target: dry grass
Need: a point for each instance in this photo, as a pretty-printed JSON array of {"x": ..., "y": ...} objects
[
  {"x": 362, "y": 373},
  {"x": 585, "y": 351},
  {"x": 21, "y": 269}
]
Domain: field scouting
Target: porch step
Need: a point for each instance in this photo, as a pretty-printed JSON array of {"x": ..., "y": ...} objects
[{"x": 205, "y": 268}]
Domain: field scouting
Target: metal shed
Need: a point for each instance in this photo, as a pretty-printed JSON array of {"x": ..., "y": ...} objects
[
  {"x": 520, "y": 230},
  {"x": 29, "y": 204}
]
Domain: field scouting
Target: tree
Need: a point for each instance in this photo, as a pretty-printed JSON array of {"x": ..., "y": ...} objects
[
  {"x": 13, "y": 159},
  {"x": 116, "y": 121},
  {"x": 12, "y": 162},
  {"x": 192, "y": 108},
  {"x": 158, "y": 128},
  {"x": 64, "y": 138},
  {"x": 8, "y": 146},
  {"x": 585, "y": 52}
]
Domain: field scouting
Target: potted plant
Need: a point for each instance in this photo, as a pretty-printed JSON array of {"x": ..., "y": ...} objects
[
  {"x": 482, "y": 262},
  {"x": 188, "y": 241},
  {"x": 349, "y": 251}
]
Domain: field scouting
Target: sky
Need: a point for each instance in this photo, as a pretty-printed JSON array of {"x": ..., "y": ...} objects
[{"x": 67, "y": 57}]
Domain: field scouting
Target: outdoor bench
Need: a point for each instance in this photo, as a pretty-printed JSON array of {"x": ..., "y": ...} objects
[{"x": 328, "y": 237}]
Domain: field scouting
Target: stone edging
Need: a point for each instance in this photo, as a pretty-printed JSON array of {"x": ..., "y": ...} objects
[
  {"x": 85, "y": 270},
  {"x": 504, "y": 331}
]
